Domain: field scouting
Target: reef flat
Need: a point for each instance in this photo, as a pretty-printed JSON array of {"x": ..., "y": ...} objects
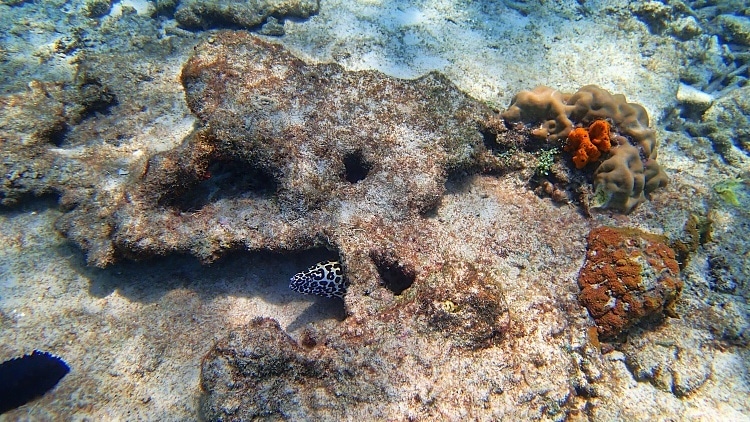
[{"x": 170, "y": 165}]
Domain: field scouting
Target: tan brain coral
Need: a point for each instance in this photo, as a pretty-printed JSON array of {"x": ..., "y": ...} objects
[{"x": 629, "y": 171}]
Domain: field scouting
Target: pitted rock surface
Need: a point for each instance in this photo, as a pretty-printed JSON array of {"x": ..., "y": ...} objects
[{"x": 287, "y": 152}]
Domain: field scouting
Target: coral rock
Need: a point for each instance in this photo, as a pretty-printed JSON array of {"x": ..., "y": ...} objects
[
  {"x": 31, "y": 125},
  {"x": 454, "y": 310},
  {"x": 465, "y": 304},
  {"x": 254, "y": 359},
  {"x": 629, "y": 276},
  {"x": 197, "y": 14},
  {"x": 287, "y": 152}
]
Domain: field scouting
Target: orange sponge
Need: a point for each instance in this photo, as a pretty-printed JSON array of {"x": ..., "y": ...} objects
[
  {"x": 587, "y": 145},
  {"x": 599, "y": 134}
]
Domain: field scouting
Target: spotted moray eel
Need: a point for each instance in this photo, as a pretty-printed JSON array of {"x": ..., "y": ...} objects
[{"x": 322, "y": 279}]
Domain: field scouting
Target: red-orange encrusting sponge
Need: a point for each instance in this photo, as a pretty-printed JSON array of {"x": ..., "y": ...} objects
[
  {"x": 599, "y": 135},
  {"x": 580, "y": 144},
  {"x": 588, "y": 144}
]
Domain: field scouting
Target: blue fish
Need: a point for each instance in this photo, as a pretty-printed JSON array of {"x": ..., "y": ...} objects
[{"x": 29, "y": 377}]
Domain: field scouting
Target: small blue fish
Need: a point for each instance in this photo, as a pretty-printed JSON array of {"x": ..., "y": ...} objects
[
  {"x": 28, "y": 377},
  {"x": 322, "y": 279}
]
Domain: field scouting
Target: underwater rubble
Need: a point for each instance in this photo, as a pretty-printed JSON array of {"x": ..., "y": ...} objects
[
  {"x": 202, "y": 14},
  {"x": 361, "y": 369}
]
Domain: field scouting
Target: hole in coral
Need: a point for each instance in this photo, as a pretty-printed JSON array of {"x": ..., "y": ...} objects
[
  {"x": 394, "y": 276},
  {"x": 490, "y": 140},
  {"x": 355, "y": 167},
  {"x": 459, "y": 181},
  {"x": 228, "y": 180},
  {"x": 58, "y": 135},
  {"x": 28, "y": 202}
]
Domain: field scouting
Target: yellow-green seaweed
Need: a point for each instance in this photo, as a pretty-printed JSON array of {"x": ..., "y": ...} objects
[{"x": 727, "y": 190}]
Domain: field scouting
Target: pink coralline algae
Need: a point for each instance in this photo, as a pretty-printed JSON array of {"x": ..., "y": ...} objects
[{"x": 629, "y": 276}]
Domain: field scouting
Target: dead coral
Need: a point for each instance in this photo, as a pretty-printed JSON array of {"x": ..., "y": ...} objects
[
  {"x": 32, "y": 125},
  {"x": 274, "y": 164},
  {"x": 202, "y": 14},
  {"x": 465, "y": 304},
  {"x": 259, "y": 370},
  {"x": 629, "y": 276},
  {"x": 255, "y": 359}
]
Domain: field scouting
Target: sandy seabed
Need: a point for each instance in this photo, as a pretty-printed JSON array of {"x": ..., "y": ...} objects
[{"x": 135, "y": 332}]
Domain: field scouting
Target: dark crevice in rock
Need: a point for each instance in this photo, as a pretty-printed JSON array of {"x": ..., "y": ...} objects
[
  {"x": 356, "y": 168},
  {"x": 58, "y": 135},
  {"x": 394, "y": 276},
  {"x": 28, "y": 202},
  {"x": 490, "y": 139},
  {"x": 459, "y": 181},
  {"x": 227, "y": 180}
]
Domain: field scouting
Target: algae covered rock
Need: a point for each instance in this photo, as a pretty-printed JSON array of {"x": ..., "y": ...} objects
[
  {"x": 736, "y": 29},
  {"x": 456, "y": 308},
  {"x": 286, "y": 152},
  {"x": 252, "y": 372},
  {"x": 202, "y": 14},
  {"x": 464, "y": 303},
  {"x": 31, "y": 125},
  {"x": 96, "y": 8},
  {"x": 728, "y": 126}
]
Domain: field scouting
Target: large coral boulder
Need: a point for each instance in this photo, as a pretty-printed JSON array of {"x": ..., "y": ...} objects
[
  {"x": 247, "y": 368},
  {"x": 287, "y": 152}
]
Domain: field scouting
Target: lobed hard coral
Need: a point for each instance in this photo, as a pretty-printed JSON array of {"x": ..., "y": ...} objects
[
  {"x": 629, "y": 276},
  {"x": 621, "y": 179},
  {"x": 556, "y": 115},
  {"x": 544, "y": 106}
]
